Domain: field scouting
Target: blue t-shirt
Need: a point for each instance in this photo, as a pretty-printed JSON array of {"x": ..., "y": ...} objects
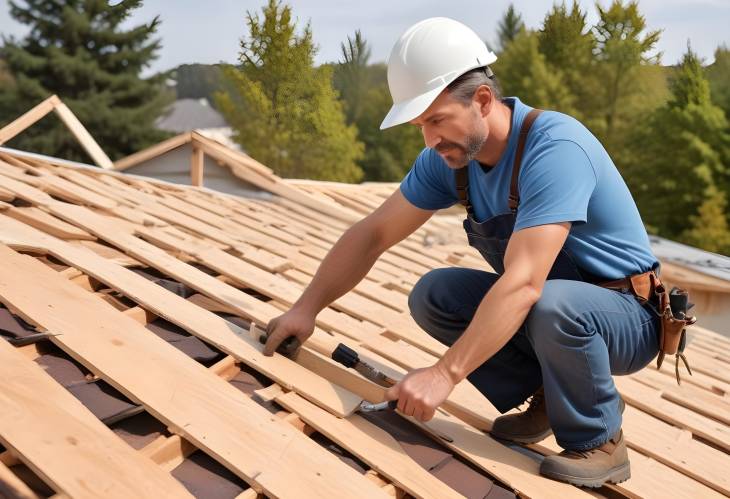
[{"x": 566, "y": 176}]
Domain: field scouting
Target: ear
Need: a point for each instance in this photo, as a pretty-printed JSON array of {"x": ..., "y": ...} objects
[{"x": 484, "y": 98}]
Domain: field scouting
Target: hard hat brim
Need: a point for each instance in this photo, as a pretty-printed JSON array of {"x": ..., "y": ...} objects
[{"x": 410, "y": 109}]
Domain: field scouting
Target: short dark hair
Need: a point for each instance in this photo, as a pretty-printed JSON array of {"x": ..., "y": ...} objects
[{"x": 465, "y": 86}]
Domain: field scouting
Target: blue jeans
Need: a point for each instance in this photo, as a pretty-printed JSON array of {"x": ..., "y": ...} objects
[{"x": 573, "y": 339}]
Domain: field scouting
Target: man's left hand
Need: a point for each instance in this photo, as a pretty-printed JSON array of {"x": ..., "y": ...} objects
[{"x": 421, "y": 391}]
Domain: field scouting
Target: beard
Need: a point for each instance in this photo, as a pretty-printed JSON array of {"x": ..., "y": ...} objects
[{"x": 458, "y": 155}]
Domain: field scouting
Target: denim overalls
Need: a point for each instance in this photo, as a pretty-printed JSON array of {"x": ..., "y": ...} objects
[{"x": 574, "y": 338}]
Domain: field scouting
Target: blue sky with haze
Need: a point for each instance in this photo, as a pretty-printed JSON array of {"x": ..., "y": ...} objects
[{"x": 209, "y": 32}]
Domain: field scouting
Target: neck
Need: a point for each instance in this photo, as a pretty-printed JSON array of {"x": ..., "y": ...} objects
[{"x": 500, "y": 123}]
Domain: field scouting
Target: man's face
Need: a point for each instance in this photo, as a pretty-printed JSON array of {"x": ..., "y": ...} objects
[{"x": 456, "y": 131}]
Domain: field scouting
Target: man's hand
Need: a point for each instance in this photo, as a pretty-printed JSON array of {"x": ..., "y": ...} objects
[
  {"x": 295, "y": 322},
  {"x": 421, "y": 391}
]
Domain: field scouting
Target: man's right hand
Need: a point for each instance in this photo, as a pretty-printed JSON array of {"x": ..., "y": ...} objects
[{"x": 295, "y": 322}]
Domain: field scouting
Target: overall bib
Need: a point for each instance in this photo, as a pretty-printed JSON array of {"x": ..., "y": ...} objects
[{"x": 574, "y": 338}]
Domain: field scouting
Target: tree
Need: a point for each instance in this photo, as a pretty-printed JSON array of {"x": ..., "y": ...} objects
[
  {"x": 523, "y": 71},
  {"x": 388, "y": 153},
  {"x": 351, "y": 75},
  {"x": 567, "y": 44},
  {"x": 508, "y": 27},
  {"x": 197, "y": 81},
  {"x": 622, "y": 47},
  {"x": 718, "y": 74},
  {"x": 284, "y": 110},
  {"x": 709, "y": 228},
  {"x": 681, "y": 154},
  {"x": 79, "y": 50}
]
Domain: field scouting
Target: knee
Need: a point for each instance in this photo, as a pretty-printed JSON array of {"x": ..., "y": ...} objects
[
  {"x": 423, "y": 301},
  {"x": 550, "y": 321}
]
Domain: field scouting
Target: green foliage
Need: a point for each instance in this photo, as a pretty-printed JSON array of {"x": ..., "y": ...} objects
[
  {"x": 567, "y": 44},
  {"x": 389, "y": 153},
  {"x": 509, "y": 27},
  {"x": 622, "y": 47},
  {"x": 351, "y": 75},
  {"x": 718, "y": 74},
  {"x": 284, "y": 110},
  {"x": 709, "y": 228},
  {"x": 523, "y": 71},
  {"x": 79, "y": 50},
  {"x": 680, "y": 154},
  {"x": 197, "y": 81},
  {"x": 364, "y": 92}
]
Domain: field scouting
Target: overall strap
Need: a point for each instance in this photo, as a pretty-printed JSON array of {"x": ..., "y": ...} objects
[
  {"x": 514, "y": 196},
  {"x": 462, "y": 188}
]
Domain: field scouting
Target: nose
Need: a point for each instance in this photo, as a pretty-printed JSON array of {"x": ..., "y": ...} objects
[{"x": 430, "y": 138}]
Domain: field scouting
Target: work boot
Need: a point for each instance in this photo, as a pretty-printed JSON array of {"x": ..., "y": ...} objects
[
  {"x": 531, "y": 425},
  {"x": 527, "y": 427},
  {"x": 591, "y": 467}
]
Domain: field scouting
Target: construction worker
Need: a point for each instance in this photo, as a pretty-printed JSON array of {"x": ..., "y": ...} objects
[{"x": 549, "y": 212}]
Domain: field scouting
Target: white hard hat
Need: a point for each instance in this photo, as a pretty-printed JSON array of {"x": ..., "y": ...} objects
[{"x": 427, "y": 57}]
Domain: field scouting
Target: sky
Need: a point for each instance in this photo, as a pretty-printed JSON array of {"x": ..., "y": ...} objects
[{"x": 210, "y": 31}]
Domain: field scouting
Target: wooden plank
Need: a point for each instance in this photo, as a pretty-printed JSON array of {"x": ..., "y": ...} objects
[
  {"x": 74, "y": 193},
  {"x": 27, "y": 119},
  {"x": 515, "y": 469},
  {"x": 650, "y": 400},
  {"x": 676, "y": 448},
  {"x": 41, "y": 220},
  {"x": 62, "y": 442},
  {"x": 224, "y": 335},
  {"x": 198, "y": 405},
  {"x": 13, "y": 487},
  {"x": 83, "y": 136},
  {"x": 649, "y": 478},
  {"x": 24, "y": 191},
  {"x": 197, "y": 163},
  {"x": 152, "y": 151},
  {"x": 6, "y": 196},
  {"x": 371, "y": 444}
]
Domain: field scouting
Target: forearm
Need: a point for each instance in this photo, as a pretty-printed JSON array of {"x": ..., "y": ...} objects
[
  {"x": 497, "y": 319},
  {"x": 346, "y": 264}
]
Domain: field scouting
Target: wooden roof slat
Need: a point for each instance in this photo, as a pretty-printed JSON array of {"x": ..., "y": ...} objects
[
  {"x": 64, "y": 444},
  {"x": 177, "y": 310},
  {"x": 371, "y": 444},
  {"x": 206, "y": 410}
]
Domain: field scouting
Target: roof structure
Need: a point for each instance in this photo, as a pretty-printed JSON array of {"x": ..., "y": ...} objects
[{"x": 131, "y": 365}]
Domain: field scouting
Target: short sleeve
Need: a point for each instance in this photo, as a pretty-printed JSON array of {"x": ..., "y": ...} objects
[
  {"x": 556, "y": 184},
  {"x": 430, "y": 184}
]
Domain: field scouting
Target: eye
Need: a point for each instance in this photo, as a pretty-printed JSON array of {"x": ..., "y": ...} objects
[{"x": 437, "y": 121}]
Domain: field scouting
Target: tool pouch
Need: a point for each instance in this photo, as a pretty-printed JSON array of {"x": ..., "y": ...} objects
[{"x": 672, "y": 307}]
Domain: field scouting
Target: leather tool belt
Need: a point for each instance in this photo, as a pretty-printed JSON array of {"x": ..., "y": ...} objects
[{"x": 671, "y": 306}]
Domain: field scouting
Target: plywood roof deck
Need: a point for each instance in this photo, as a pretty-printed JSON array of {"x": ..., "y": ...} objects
[{"x": 86, "y": 254}]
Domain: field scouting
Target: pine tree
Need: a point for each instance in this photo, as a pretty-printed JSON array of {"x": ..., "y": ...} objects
[
  {"x": 79, "y": 50},
  {"x": 388, "y": 153},
  {"x": 709, "y": 228},
  {"x": 284, "y": 110},
  {"x": 567, "y": 44},
  {"x": 680, "y": 158},
  {"x": 622, "y": 47},
  {"x": 508, "y": 27},
  {"x": 718, "y": 74},
  {"x": 351, "y": 77},
  {"x": 523, "y": 72}
]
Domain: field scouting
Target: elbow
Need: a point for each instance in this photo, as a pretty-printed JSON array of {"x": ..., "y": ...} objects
[{"x": 531, "y": 294}]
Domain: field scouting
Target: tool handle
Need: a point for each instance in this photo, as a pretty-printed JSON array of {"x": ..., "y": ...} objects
[
  {"x": 345, "y": 356},
  {"x": 287, "y": 347}
]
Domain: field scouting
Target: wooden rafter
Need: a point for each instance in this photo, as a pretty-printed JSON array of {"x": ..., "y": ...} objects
[{"x": 53, "y": 103}]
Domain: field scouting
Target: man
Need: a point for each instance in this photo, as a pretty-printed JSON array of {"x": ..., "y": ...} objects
[{"x": 548, "y": 210}]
